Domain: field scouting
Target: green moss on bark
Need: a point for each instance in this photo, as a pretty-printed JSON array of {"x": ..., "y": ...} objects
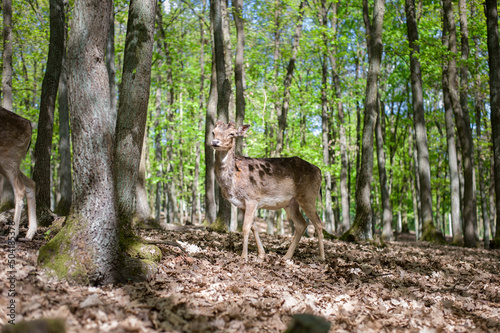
[
  {"x": 433, "y": 235},
  {"x": 59, "y": 257}
]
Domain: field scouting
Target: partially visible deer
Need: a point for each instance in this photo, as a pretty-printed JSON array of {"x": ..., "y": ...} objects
[
  {"x": 269, "y": 183},
  {"x": 15, "y": 139}
]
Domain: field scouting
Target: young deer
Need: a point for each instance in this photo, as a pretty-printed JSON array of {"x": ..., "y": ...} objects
[
  {"x": 15, "y": 139},
  {"x": 269, "y": 183}
]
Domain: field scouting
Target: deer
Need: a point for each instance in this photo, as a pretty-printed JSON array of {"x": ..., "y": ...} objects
[
  {"x": 268, "y": 183},
  {"x": 15, "y": 140}
]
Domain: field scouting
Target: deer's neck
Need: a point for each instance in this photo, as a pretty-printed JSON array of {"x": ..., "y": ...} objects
[{"x": 224, "y": 169}]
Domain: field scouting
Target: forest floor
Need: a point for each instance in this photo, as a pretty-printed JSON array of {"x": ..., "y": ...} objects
[{"x": 406, "y": 286}]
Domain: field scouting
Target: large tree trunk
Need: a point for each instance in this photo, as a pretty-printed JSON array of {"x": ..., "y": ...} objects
[
  {"x": 387, "y": 233},
  {"x": 130, "y": 136},
  {"x": 86, "y": 249},
  {"x": 283, "y": 112},
  {"x": 361, "y": 227},
  {"x": 43, "y": 146},
  {"x": 430, "y": 232},
  {"x": 494, "y": 65},
  {"x": 464, "y": 132}
]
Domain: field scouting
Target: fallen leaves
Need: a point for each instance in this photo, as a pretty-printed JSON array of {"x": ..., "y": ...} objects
[{"x": 204, "y": 286}]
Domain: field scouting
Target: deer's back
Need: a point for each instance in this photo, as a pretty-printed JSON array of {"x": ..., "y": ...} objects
[
  {"x": 287, "y": 174},
  {"x": 15, "y": 135}
]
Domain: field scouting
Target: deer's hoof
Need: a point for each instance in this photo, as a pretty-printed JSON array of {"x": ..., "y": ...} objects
[{"x": 30, "y": 234}]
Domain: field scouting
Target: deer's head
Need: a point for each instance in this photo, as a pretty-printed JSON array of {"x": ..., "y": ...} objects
[{"x": 224, "y": 135}]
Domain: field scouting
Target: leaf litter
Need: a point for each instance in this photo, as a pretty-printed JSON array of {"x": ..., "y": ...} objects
[{"x": 203, "y": 285}]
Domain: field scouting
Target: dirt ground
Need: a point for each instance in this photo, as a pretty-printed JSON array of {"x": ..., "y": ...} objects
[{"x": 405, "y": 287}]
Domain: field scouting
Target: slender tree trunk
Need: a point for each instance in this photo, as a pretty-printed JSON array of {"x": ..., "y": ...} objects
[
  {"x": 387, "y": 233},
  {"x": 43, "y": 146},
  {"x": 478, "y": 110},
  {"x": 494, "y": 66},
  {"x": 66, "y": 181},
  {"x": 158, "y": 150},
  {"x": 283, "y": 112},
  {"x": 223, "y": 95},
  {"x": 361, "y": 227},
  {"x": 195, "y": 198},
  {"x": 210, "y": 204},
  {"x": 452, "y": 150},
  {"x": 344, "y": 188},
  {"x": 464, "y": 133},
  {"x": 239, "y": 78},
  {"x": 172, "y": 211},
  {"x": 430, "y": 233},
  {"x": 142, "y": 203},
  {"x": 86, "y": 250},
  {"x": 325, "y": 122}
]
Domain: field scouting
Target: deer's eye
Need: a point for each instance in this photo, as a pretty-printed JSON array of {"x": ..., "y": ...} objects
[{"x": 231, "y": 135}]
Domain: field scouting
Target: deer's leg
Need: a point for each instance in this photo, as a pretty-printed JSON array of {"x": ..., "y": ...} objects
[
  {"x": 262, "y": 252},
  {"x": 310, "y": 211},
  {"x": 293, "y": 212},
  {"x": 30, "y": 198},
  {"x": 247, "y": 226},
  {"x": 19, "y": 191}
]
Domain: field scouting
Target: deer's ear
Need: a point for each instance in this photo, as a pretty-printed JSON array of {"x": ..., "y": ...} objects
[
  {"x": 242, "y": 130},
  {"x": 219, "y": 122}
]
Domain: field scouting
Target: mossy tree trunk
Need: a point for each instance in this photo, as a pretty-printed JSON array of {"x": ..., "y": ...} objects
[
  {"x": 130, "y": 128},
  {"x": 86, "y": 249}
]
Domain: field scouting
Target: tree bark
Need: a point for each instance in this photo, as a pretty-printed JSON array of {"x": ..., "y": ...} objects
[
  {"x": 210, "y": 204},
  {"x": 158, "y": 150},
  {"x": 452, "y": 150},
  {"x": 464, "y": 132},
  {"x": 430, "y": 232},
  {"x": 325, "y": 122},
  {"x": 478, "y": 110},
  {"x": 494, "y": 67},
  {"x": 110, "y": 62},
  {"x": 283, "y": 112},
  {"x": 387, "y": 234},
  {"x": 7, "y": 57},
  {"x": 143, "y": 211},
  {"x": 361, "y": 227},
  {"x": 65, "y": 177},
  {"x": 195, "y": 198},
  {"x": 130, "y": 140},
  {"x": 344, "y": 164},
  {"x": 43, "y": 146},
  {"x": 223, "y": 96},
  {"x": 85, "y": 251}
]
